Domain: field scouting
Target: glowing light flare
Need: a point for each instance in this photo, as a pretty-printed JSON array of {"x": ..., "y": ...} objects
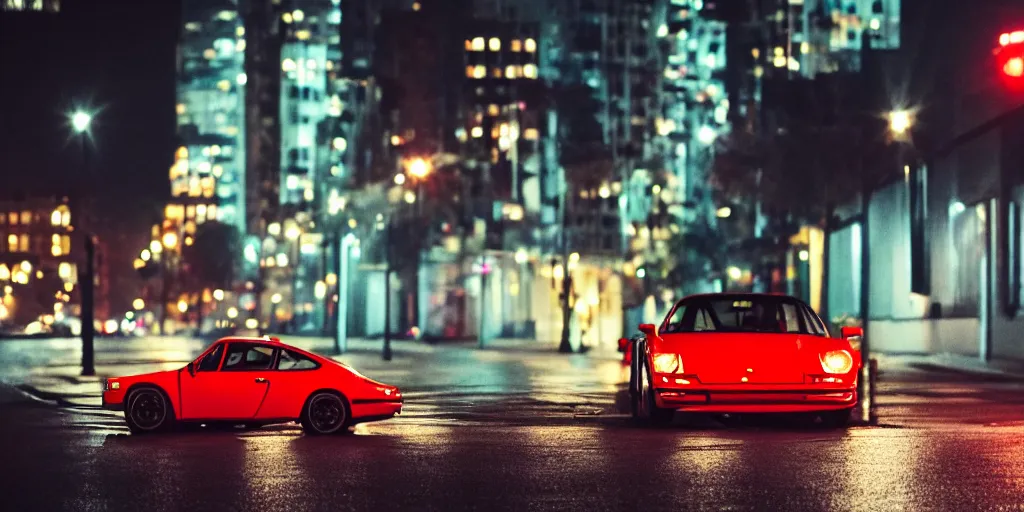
[
  {"x": 724, "y": 212},
  {"x": 899, "y": 121},
  {"x": 138, "y": 304},
  {"x": 1014, "y": 67},
  {"x": 419, "y": 168},
  {"x": 836, "y": 361},
  {"x": 1008, "y": 38},
  {"x": 182, "y": 306},
  {"x": 668, "y": 363},
  {"x": 80, "y": 121}
]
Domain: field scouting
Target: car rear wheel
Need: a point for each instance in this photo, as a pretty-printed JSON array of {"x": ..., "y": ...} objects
[
  {"x": 325, "y": 413},
  {"x": 147, "y": 410}
]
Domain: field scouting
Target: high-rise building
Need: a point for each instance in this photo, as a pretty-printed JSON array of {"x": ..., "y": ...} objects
[{"x": 210, "y": 164}]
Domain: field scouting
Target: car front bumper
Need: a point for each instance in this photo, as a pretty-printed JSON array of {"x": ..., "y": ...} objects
[
  {"x": 113, "y": 400},
  {"x": 756, "y": 399}
]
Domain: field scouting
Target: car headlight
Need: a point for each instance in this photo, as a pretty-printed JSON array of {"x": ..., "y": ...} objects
[
  {"x": 668, "y": 363},
  {"x": 836, "y": 361}
]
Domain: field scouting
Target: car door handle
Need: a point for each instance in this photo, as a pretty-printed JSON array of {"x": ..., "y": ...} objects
[{"x": 260, "y": 380}]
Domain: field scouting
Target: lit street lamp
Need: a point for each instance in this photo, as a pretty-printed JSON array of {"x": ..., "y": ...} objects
[
  {"x": 80, "y": 122},
  {"x": 899, "y": 122}
]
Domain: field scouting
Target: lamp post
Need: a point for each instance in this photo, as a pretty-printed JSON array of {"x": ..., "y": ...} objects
[{"x": 80, "y": 122}]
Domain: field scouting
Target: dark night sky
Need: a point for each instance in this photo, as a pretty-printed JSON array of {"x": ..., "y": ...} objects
[{"x": 116, "y": 55}]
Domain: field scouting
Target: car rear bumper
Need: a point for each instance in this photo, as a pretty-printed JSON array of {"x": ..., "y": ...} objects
[
  {"x": 753, "y": 400},
  {"x": 375, "y": 410}
]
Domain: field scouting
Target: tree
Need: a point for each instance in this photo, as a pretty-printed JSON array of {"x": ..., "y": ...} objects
[
  {"x": 212, "y": 259},
  {"x": 817, "y": 160}
]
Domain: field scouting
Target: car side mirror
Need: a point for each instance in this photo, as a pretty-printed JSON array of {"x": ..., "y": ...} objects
[
  {"x": 191, "y": 369},
  {"x": 849, "y": 331},
  {"x": 648, "y": 329},
  {"x": 623, "y": 344}
]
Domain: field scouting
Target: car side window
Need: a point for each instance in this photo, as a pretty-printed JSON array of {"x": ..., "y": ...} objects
[
  {"x": 813, "y": 323},
  {"x": 790, "y": 318},
  {"x": 703, "y": 321},
  {"x": 293, "y": 361},
  {"x": 211, "y": 361},
  {"x": 248, "y": 357}
]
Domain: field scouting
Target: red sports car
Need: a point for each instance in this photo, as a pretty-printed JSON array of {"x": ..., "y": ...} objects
[
  {"x": 253, "y": 381},
  {"x": 743, "y": 353}
]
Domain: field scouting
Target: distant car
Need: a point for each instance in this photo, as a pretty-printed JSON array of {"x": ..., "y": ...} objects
[
  {"x": 734, "y": 354},
  {"x": 255, "y": 382}
]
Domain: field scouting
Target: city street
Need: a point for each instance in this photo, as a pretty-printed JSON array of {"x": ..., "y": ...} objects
[{"x": 515, "y": 428}]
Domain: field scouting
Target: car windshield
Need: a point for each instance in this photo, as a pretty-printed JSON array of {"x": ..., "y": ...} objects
[{"x": 742, "y": 313}]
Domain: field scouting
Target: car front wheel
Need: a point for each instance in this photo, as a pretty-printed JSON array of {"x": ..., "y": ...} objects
[
  {"x": 147, "y": 410},
  {"x": 325, "y": 413},
  {"x": 836, "y": 419}
]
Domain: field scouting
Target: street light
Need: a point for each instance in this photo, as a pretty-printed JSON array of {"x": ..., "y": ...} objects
[
  {"x": 170, "y": 240},
  {"x": 419, "y": 168},
  {"x": 80, "y": 121},
  {"x": 899, "y": 122}
]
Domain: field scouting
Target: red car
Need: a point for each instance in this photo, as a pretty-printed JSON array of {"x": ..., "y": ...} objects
[
  {"x": 253, "y": 381},
  {"x": 743, "y": 353}
]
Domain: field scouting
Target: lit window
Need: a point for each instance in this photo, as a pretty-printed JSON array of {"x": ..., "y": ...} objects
[
  {"x": 511, "y": 72},
  {"x": 496, "y": 72},
  {"x": 12, "y": 242},
  {"x": 531, "y": 134},
  {"x": 531, "y": 45},
  {"x": 469, "y": 45},
  {"x": 494, "y": 44},
  {"x": 302, "y": 35},
  {"x": 210, "y": 54},
  {"x": 286, "y": 17},
  {"x": 211, "y": 211},
  {"x": 478, "y": 44},
  {"x": 224, "y": 85},
  {"x": 55, "y": 218},
  {"x": 13, "y": 218},
  {"x": 470, "y": 71},
  {"x": 292, "y": 182},
  {"x": 479, "y": 72},
  {"x": 298, "y": 15},
  {"x": 24, "y": 243},
  {"x": 477, "y": 132},
  {"x": 307, "y": 194},
  {"x": 55, "y": 250},
  {"x": 530, "y": 71},
  {"x": 190, "y": 212},
  {"x": 180, "y": 108},
  {"x": 517, "y": 45},
  {"x": 65, "y": 244},
  {"x": 26, "y": 217},
  {"x": 241, "y": 79},
  {"x": 65, "y": 219},
  {"x": 492, "y": 109},
  {"x": 288, "y": 65},
  {"x": 240, "y": 46}
]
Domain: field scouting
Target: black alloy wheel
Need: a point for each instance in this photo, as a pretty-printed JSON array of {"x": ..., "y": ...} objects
[
  {"x": 147, "y": 410},
  {"x": 326, "y": 413}
]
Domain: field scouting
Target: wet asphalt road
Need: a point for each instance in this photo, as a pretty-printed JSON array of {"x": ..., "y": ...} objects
[{"x": 945, "y": 442}]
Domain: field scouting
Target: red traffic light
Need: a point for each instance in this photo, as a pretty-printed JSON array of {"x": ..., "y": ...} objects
[{"x": 1010, "y": 58}]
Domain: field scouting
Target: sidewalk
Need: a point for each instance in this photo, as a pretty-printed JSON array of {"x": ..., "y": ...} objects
[{"x": 997, "y": 369}]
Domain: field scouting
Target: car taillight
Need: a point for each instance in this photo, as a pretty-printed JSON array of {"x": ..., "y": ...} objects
[
  {"x": 668, "y": 363},
  {"x": 836, "y": 361}
]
